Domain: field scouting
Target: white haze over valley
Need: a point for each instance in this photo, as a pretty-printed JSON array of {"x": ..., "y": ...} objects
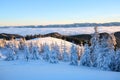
[{"x": 64, "y": 31}]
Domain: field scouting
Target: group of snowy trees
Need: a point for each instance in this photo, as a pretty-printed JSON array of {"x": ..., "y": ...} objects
[
  {"x": 74, "y": 55},
  {"x": 52, "y": 53},
  {"x": 101, "y": 53}
]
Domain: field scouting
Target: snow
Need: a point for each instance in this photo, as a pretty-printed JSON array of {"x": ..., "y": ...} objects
[
  {"x": 1, "y": 55},
  {"x": 51, "y": 40},
  {"x": 65, "y": 31},
  {"x": 40, "y": 70}
]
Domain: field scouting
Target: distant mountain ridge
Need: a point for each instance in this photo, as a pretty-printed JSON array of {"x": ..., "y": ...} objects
[{"x": 68, "y": 25}]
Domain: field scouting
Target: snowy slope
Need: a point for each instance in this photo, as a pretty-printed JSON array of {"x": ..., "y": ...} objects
[
  {"x": 46, "y": 40},
  {"x": 51, "y": 40},
  {"x": 65, "y": 31},
  {"x": 39, "y": 70}
]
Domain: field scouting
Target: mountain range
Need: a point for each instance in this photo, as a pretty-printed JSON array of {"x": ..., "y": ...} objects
[{"x": 68, "y": 25}]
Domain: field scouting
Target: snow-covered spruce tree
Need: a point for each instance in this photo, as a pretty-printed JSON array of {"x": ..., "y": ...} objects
[
  {"x": 31, "y": 44},
  {"x": 66, "y": 56},
  {"x": 57, "y": 49},
  {"x": 60, "y": 56},
  {"x": 112, "y": 43},
  {"x": 94, "y": 49},
  {"x": 54, "y": 54},
  {"x": 22, "y": 43},
  {"x": 85, "y": 59},
  {"x": 10, "y": 52},
  {"x": 40, "y": 50},
  {"x": 117, "y": 60},
  {"x": 15, "y": 48},
  {"x": 41, "y": 46},
  {"x": 46, "y": 52},
  {"x": 26, "y": 52},
  {"x": 35, "y": 52},
  {"x": 74, "y": 55},
  {"x": 106, "y": 58}
]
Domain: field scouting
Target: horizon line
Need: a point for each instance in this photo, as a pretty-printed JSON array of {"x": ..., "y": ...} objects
[{"x": 58, "y": 24}]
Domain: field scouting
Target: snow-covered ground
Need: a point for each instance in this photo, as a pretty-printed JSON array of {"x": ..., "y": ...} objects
[
  {"x": 50, "y": 41},
  {"x": 65, "y": 31},
  {"x": 40, "y": 70}
]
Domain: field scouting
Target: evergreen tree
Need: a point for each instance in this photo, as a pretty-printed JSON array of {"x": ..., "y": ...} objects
[
  {"x": 35, "y": 52},
  {"x": 15, "y": 48},
  {"x": 54, "y": 54},
  {"x": 74, "y": 55},
  {"x": 10, "y": 53},
  {"x": 27, "y": 52},
  {"x": 86, "y": 57},
  {"x": 57, "y": 50},
  {"x": 106, "y": 57},
  {"x": 22, "y": 43},
  {"x": 117, "y": 60},
  {"x": 94, "y": 49},
  {"x": 46, "y": 53},
  {"x": 31, "y": 44},
  {"x": 66, "y": 56}
]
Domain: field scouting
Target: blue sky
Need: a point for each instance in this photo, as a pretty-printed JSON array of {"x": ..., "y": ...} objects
[{"x": 35, "y": 12}]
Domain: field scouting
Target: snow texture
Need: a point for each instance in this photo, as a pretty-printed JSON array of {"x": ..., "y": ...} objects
[{"x": 39, "y": 70}]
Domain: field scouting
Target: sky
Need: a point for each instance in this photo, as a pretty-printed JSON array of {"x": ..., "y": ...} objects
[{"x": 45, "y": 12}]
